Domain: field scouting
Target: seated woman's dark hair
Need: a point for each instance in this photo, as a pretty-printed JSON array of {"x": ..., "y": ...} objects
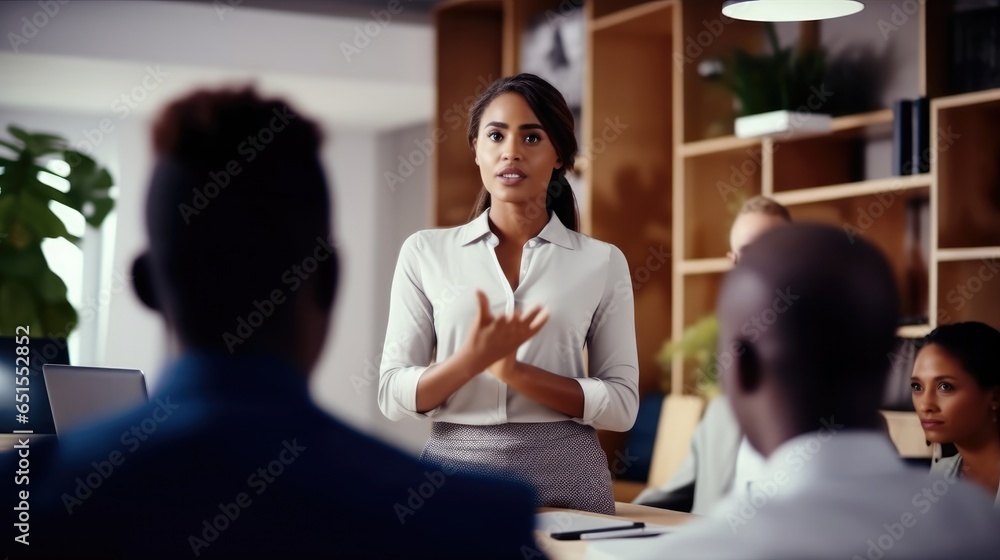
[{"x": 975, "y": 345}]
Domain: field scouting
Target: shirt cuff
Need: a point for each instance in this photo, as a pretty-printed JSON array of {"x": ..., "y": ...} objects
[
  {"x": 595, "y": 398},
  {"x": 406, "y": 393}
]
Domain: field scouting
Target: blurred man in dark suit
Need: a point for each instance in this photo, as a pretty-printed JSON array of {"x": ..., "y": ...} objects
[{"x": 231, "y": 457}]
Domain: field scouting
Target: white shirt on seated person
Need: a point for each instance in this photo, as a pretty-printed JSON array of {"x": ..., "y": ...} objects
[{"x": 833, "y": 495}]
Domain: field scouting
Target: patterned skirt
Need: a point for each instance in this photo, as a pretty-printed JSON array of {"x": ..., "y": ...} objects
[{"x": 562, "y": 461}]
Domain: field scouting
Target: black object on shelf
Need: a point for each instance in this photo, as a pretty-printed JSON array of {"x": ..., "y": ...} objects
[
  {"x": 921, "y": 135},
  {"x": 902, "y": 137},
  {"x": 975, "y": 46}
]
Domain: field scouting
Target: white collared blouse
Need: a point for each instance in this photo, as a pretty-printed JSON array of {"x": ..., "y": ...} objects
[{"x": 585, "y": 284}]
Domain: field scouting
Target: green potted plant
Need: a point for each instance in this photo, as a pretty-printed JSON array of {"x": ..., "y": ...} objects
[
  {"x": 697, "y": 344},
  {"x": 780, "y": 92},
  {"x": 31, "y": 294}
]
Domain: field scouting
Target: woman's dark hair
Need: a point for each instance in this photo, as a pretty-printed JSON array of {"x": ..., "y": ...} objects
[
  {"x": 975, "y": 345},
  {"x": 556, "y": 118}
]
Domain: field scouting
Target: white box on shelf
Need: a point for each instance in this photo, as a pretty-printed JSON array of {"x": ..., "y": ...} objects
[{"x": 783, "y": 124}]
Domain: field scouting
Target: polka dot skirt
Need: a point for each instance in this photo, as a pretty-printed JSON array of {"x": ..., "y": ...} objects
[{"x": 562, "y": 461}]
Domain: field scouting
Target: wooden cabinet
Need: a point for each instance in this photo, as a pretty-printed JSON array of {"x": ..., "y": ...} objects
[{"x": 663, "y": 173}]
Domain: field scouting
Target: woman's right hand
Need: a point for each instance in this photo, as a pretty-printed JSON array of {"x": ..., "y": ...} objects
[
  {"x": 494, "y": 337},
  {"x": 490, "y": 339}
]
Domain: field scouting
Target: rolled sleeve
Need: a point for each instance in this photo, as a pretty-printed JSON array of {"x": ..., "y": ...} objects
[
  {"x": 611, "y": 392},
  {"x": 409, "y": 338}
]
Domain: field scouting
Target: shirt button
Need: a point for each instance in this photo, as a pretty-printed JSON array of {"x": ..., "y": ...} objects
[
  {"x": 533, "y": 243},
  {"x": 492, "y": 240}
]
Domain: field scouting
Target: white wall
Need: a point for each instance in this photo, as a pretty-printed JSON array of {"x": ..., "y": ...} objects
[{"x": 67, "y": 76}]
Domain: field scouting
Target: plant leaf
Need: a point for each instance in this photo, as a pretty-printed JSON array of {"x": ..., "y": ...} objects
[
  {"x": 38, "y": 144},
  {"x": 89, "y": 183},
  {"x": 50, "y": 287},
  {"x": 58, "y": 319},
  {"x": 19, "y": 308},
  {"x": 24, "y": 265},
  {"x": 11, "y": 147},
  {"x": 37, "y": 218}
]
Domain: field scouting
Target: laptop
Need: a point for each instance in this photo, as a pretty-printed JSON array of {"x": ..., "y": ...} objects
[{"x": 80, "y": 395}]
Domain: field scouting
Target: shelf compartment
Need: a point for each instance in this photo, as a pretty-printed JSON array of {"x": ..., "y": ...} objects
[
  {"x": 462, "y": 74},
  {"x": 701, "y": 291},
  {"x": 966, "y": 160},
  {"x": 628, "y": 126},
  {"x": 886, "y": 221},
  {"x": 843, "y": 156},
  {"x": 969, "y": 290},
  {"x": 715, "y": 187}
]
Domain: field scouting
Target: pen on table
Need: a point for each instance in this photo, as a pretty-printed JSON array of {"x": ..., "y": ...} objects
[
  {"x": 624, "y": 534},
  {"x": 577, "y": 535}
]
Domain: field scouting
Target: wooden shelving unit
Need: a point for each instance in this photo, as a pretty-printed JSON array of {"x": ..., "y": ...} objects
[{"x": 676, "y": 175}]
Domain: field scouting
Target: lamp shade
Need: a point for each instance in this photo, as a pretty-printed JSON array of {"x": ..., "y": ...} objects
[{"x": 790, "y": 10}]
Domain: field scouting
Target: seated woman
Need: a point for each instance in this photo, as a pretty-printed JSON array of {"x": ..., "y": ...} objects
[{"x": 956, "y": 392}]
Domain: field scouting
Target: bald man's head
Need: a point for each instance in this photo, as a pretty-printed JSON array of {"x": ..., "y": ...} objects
[
  {"x": 807, "y": 319},
  {"x": 757, "y": 215}
]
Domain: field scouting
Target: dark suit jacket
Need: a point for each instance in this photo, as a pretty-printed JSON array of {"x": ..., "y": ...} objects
[{"x": 231, "y": 458}]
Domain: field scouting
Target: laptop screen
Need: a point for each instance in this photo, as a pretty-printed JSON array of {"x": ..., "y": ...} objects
[{"x": 40, "y": 351}]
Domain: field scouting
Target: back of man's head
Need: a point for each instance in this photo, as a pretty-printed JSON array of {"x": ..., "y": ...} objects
[
  {"x": 238, "y": 216},
  {"x": 809, "y": 317},
  {"x": 757, "y": 215}
]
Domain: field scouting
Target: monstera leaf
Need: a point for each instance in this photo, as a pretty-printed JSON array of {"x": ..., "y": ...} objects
[{"x": 30, "y": 293}]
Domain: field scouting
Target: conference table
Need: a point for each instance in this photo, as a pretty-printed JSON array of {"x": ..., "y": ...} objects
[{"x": 576, "y": 550}]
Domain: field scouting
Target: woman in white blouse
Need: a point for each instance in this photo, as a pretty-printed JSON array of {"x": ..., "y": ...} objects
[
  {"x": 956, "y": 392},
  {"x": 488, "y": 321}
]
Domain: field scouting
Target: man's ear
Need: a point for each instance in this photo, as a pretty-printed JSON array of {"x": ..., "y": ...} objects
[
  {"x": 142, "y": 281},
  {"x": 747, "y": 368}
]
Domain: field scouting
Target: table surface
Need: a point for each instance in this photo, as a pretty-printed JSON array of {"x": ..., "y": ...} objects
[{"x": 574, "y": 550}]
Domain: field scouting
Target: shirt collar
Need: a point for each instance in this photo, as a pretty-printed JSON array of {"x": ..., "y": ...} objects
[
  {"x": 220, "y": 375},
  {"x": 553, "y": 232},
  {"x": 832, "y": 454}
]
